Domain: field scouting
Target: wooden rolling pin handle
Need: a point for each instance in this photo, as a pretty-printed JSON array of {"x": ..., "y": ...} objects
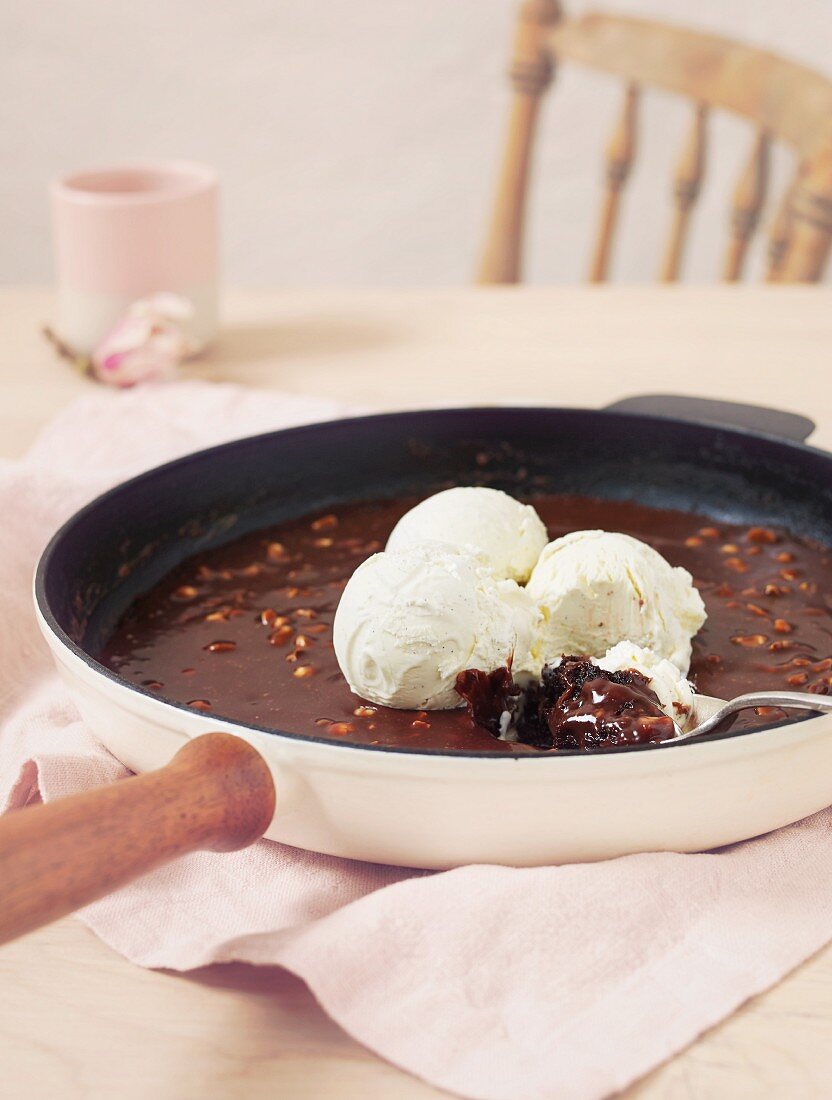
[{"x": 217, "y": 794}]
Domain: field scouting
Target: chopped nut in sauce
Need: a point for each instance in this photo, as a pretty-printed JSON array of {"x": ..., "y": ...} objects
[
  {"x": 324, "y": 523},
  {"x": 737, "y": 564},
  {"x": 761, "y": 534}
]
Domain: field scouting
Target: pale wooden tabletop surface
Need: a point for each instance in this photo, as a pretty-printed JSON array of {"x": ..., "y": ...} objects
[{"x": 76, "y": 1020}]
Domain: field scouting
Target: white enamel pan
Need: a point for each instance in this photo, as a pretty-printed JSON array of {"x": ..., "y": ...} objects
[{"x": 413, "y": 808}]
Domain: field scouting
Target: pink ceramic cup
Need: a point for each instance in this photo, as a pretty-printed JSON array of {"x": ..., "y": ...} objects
[{"x": 131, "y": 230}]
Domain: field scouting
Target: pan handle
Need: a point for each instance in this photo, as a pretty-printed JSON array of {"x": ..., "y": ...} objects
[
  {"x": 730, "y": 414},
  {"x": 216, "y": 793}
]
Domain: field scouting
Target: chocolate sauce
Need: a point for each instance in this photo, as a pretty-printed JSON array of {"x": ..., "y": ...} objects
[
  {"x": 493, "y": 700},
  {"x": 245, "y": 631},
  {"x": 575, "y": 705}
]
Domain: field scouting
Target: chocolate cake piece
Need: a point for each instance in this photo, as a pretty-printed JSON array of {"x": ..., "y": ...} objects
[{"x": 574, "y": 706}]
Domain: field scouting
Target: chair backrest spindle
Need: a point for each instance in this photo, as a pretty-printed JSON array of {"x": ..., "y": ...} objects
[
  {"x": 621, "y": 150},
  {"x": 810, "y": 213},
  {"x": 779, "y": 236},
  {"x": 690, "y": 170},
  {"x": 749, "y": 197}
]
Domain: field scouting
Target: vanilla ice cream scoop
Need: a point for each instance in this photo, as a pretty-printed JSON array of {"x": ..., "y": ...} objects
[
  {"x": 410, "y": 620},
  {"x": 511, "y": 535},
  {"x": 597, "y": 588},
  {"x": 674, "y": 692}
]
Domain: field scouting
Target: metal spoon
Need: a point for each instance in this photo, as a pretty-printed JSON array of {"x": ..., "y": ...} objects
[{"x": 709, "y": 711}]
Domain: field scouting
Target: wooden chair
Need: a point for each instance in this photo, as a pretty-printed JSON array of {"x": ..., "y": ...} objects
[{"x": 782, "y": 100}]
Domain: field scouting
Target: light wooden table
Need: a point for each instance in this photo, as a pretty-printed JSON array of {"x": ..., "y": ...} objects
[{"x": 78, "y": 1022}]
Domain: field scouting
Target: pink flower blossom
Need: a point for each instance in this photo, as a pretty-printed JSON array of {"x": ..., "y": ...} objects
[{"x": 148, "y": 343}]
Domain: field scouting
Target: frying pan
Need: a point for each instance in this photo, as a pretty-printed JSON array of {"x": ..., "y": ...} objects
[{"x": 399, "y": 805}]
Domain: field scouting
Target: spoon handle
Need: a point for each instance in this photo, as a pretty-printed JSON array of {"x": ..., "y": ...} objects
[{"x": 791, "y": 700}]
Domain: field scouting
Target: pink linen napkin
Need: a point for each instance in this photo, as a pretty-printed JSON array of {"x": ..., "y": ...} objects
[{"x": 496, "y": 983}]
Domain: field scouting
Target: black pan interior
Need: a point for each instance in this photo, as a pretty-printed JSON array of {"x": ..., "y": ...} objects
[{"x": 123, "y": 543}]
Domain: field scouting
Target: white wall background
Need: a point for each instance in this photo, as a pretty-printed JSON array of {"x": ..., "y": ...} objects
[{"x": 356, "y": 139}]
